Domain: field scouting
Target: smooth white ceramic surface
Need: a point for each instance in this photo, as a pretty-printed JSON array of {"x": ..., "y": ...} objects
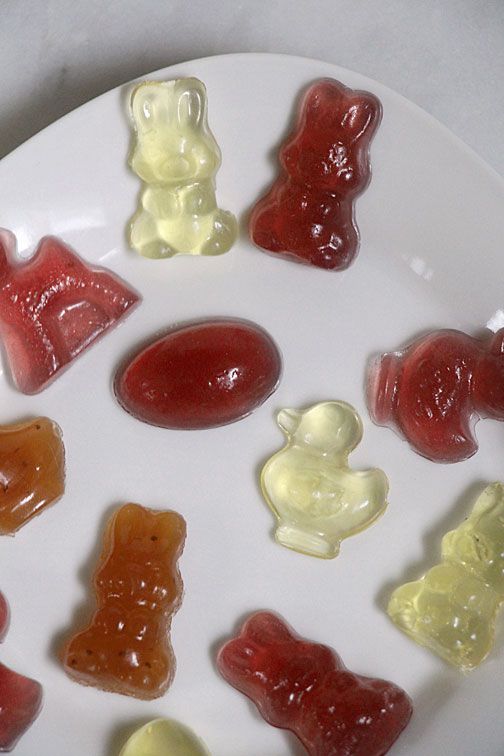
[{"x": 432, "y": 227}]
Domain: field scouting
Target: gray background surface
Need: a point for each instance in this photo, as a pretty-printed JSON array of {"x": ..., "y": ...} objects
[{"x": 448, "y": 57}]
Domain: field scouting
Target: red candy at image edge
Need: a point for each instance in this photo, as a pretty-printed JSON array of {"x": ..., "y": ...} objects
[
  {"x": 308, "y": 213},
  {"x": 434, "y": 390},
  {"x": 304, "y": 687},
  {"x": 52, "y": 307},
  {"x": 200, "y": 375},
  {"x": 20, "y": 697}
]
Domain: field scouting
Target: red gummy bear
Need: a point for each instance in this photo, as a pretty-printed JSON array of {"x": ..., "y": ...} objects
[
  {"x": 52, "y": 307},
  {"x": 20, "y": 697},
  {"x": 308, "y": 214},
  {"x": 433, "y": 392},
  {"x": 305, "y": 687}
]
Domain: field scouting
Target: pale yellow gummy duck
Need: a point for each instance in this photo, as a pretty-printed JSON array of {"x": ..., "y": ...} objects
[
  {"x": 164, "y": 737},
  {"x": 317, "y": 499},
  {"x": 452, "y": 609},
  {"x": 176, "y": 156}
]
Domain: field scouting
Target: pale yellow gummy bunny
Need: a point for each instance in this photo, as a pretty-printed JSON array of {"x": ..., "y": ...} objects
[
  {"x": 164, "y": 737},
  {"x": 317, "y": 499},
  {"x": 176, "y": 156},
  {"x": 452, "y": 609}
]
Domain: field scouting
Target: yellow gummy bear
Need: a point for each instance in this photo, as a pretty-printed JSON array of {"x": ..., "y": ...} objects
[
  {"x": 176, "y": 156},
  {"x": 164, "y": 737},
  {"x": 317, "y": 499},
  {"x": 452, "y": 609}
]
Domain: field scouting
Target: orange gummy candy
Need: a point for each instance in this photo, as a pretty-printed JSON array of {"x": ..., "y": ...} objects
[
  {"x": 32, "y": 471},
  {"x": 126, "y": 647}
]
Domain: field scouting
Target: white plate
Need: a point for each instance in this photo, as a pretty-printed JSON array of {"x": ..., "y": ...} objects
[{"x": 432, "y": 230}]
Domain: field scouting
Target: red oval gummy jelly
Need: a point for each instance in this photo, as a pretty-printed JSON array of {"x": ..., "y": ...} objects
[
  {"x": 52, "y": 307},
  {"x": 308, "y": 214},
  {"x": 305, "y": 687},
  {"x": 433, "y": 392},
  {"x": 200, "y": 375}
]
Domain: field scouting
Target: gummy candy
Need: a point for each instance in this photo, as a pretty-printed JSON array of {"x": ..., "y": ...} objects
[
  {"x": 200, "y": 375},
  {"x": 452, "y": 609},
  {"x": 433, "y": 392},
  {"x": 176, "y": 156},
  {"x": 52, "y": 307},
  {"x": 126, "y": 647},
  {"x": 164, "y": 737},
  {"x": 32, "y": 465},
  {"x": 308, "y": 214},
  {"x": 20, "y": 697},
  {"x": 4, "y": 617},
  {"x": 317, "y": 499},
  {"x": 305, "y": 687}
]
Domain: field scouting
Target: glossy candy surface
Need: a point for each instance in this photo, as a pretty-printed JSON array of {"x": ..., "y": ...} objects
[
  {"x": 200, "y": 375},
  {"x": 126, "y": 647},
  {"x": 32, "y": 471},
  {"x": 164, "y": 737},
  {"x": 20, "y": 697},
  {"x": 308, "y": 214},
  {"x": 316, "y": 497},
  {"x": 305, "y": 687},
  {"x": 433, "y": 392},
  {"x": 176, "y": 156},
  {"x": 52, "y": 307},
  {"x": 452, "y": 609}
]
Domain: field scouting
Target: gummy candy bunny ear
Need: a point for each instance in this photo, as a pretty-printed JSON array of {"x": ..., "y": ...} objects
[
  {"x": 8, "y": 248},
  {"x": 363, "y": 114},
  {"x": 265, "y": 627},
  {"x": 191, "y": 107},
  {"x": 4, "y": 617},
  {"x": 150, "y": 105}
]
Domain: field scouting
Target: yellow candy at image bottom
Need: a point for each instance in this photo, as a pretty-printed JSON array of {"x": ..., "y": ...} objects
[
  {"x": 316, "y": 497},
  {"x": 453, "y": 607},
  {"x": 164, "y": 737}
]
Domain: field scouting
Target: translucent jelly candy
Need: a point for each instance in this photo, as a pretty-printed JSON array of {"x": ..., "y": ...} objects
[
  {"x": 126, "y": 647},
  {"x": 317, "y": 499},
  {"x": 32, "y": 471},
  {"x": 20, "y": 697},
  {"x": 305, "y": 687},
  {"x": 433, "y": 392},
  {"x": 452, "y": 608},
  {"x": 176, "y": 156},
  {"x": 200, "y": 375},
  {"x": 308, "y": 214},
  {"x": 4, "y": 617},
  {"x": 164, "y": 737},
  {"x": 52, "y": 307}
]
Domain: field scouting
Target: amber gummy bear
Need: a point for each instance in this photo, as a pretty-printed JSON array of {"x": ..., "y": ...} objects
[
  {"x": 126, "y": 647},
  {"x": 32, "y": 471}
]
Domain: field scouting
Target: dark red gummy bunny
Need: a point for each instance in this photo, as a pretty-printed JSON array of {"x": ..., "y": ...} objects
[
  {"x": 305, "y": 687},
  {"x": 52, "y": 307},
  {"x": 433, "y": 392},
  {"x": 308, "y": 214},
  {"x": 20, "y": 697}
]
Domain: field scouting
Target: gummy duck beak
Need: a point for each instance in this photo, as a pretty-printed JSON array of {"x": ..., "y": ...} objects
[{"x": 288, "y": 420}]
